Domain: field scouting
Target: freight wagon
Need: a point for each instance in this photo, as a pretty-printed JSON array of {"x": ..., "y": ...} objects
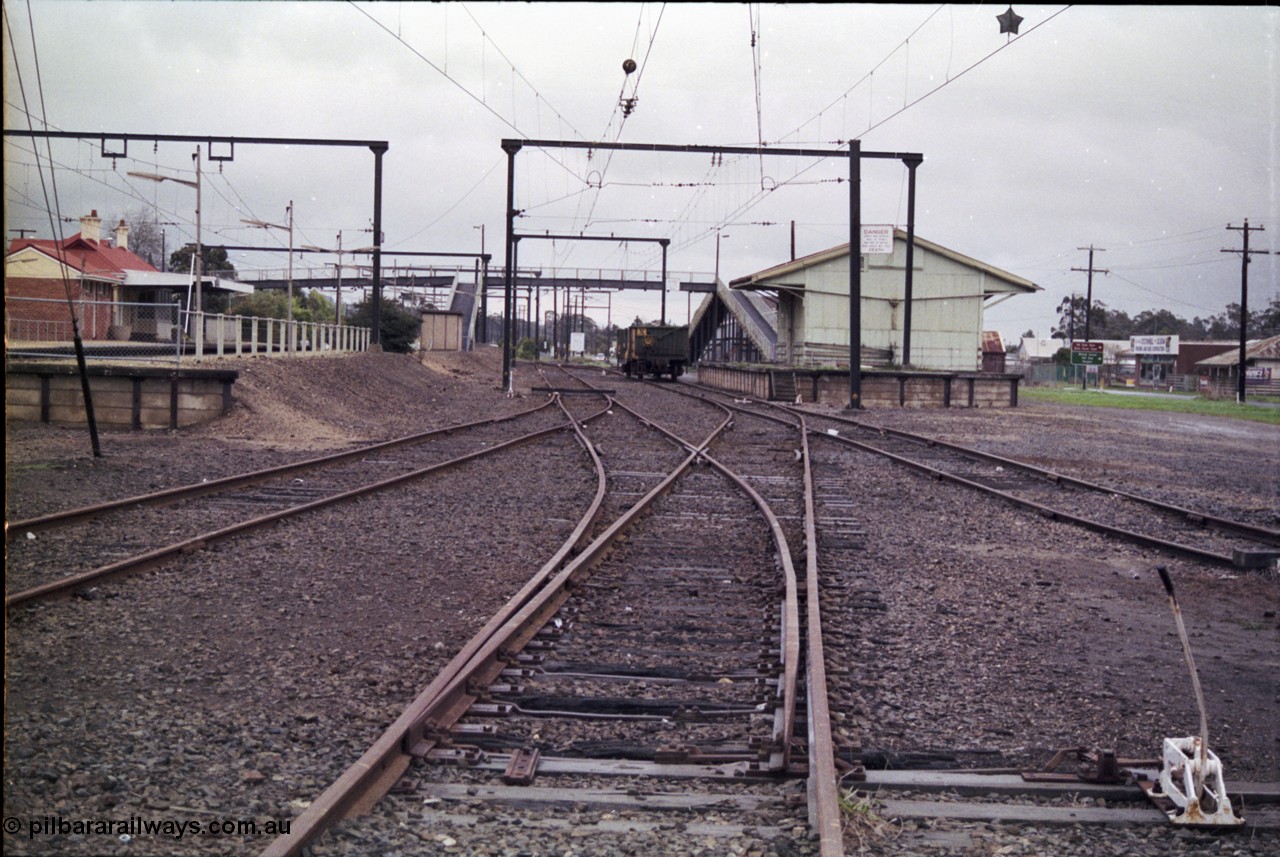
[{"x": 653, "y": 350}]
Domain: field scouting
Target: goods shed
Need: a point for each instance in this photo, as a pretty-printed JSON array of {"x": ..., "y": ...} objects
[{"x": 951, "y": 291}]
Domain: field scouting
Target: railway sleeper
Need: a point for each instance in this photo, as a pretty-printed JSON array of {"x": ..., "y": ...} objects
[
  {"x": 627, "y": 671},
  {"x": 480, "y": 746},
  {"x": 552, "y": 705}
]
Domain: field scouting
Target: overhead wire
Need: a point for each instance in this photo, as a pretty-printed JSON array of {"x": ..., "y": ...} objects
[
  {"x": 517, "y": 73},
  {"x": 479, "y": 99},
  {"x": 55, "y": 225},
  {"x": 961, "y": 74},
  {"x": 54, "y": 211},
  {"x": 873, "y": 124},
  {"x": 866, "y": 77},
  {"x": 635, "y": 89},
  {"x": 755, "y": 72}
]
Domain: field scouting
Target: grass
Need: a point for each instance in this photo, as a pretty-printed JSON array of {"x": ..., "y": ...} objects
[
  {"x": 1075, "y": 397},
  {"x": 862, "y": 823}
]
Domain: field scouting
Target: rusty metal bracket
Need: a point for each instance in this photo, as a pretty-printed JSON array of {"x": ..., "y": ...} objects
[
  {"x": 1102, "y": 767},
  {"x": 523, "y": 767}
]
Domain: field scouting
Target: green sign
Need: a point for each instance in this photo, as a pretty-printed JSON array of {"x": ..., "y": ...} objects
[{"x": 1086, "y": 353}]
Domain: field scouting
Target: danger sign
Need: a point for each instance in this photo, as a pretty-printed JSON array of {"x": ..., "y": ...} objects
[{"x": 877, "y": 238}]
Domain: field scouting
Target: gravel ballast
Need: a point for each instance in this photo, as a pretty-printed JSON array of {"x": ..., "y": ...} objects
[{"x": 250, "y": 678}]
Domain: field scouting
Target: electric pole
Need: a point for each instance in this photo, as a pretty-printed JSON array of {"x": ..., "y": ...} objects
[
  {"x": 1244, "y": 297},
  {"x": 1088, "y": 301}
]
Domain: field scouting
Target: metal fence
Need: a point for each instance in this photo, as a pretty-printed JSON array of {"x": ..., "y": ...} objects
[{"x": 38, "y": 328}]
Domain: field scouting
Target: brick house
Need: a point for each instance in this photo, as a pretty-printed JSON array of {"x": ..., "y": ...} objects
[{"x": 44, "y": 270}]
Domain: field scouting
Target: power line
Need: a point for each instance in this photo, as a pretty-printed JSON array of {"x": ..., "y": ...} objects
[
  {"x": 55, "y": 226},
  {"x": 537, "y": 95},
  {"x": 962, "y": 73},
  {"x": 866, "y": 76},
  {"x": 755, "y": 72},
  {"x": 479, "y": 100},
  {"x": 1245, "y": 253}
]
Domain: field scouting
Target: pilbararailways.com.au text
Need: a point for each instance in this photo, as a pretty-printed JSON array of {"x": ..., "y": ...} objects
[{"x": 136, "y": 825}]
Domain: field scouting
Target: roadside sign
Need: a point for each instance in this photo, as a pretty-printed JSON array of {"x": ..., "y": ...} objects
[
  {"x": 1086, "y": 353},
  {"x": 1153, "y": 344}
]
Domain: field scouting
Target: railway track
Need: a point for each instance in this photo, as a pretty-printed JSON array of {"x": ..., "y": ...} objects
[
  {"x": 666, "y": 653},
  {"x": 1114, "y": 512},
  {"x": 446, "y": 790},
  {"x": 837, "y": 538},
  {"x": 138, "y": 533}
]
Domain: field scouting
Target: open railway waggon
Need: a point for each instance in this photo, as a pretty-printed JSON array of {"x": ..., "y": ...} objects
[{"x": 647, "y": 349}]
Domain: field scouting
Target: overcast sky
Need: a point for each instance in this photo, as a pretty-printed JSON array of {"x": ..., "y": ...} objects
[{"x": 1141, "y": 130}]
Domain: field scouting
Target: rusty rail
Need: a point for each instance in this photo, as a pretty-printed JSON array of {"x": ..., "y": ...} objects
[
  {"x": 200, "y": 489},
  {"x": 790, "y": 636},
  {"x": 824, "y": 804},
  {"x": 447, "y": 697},
  {"x": 1258, "y": 533},
  {"x": 155, "y": 558},
  {"x": 1040, "y": 508}
]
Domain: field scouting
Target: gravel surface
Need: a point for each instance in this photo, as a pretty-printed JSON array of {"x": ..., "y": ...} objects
[{"x": 240, "y": 685}]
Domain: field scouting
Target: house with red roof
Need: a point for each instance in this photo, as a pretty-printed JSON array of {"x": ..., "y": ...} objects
[
  {"x": 103, "y": 279},
  {"x": 46, "y": 272}
]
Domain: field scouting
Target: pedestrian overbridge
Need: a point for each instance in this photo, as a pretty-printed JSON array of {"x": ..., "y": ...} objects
[{"x": 732, "y": 326}]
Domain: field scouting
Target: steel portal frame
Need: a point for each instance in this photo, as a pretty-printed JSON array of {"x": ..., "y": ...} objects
[
  {"x": 855, "y": 155},
  {"x": 378, "y": 147}
]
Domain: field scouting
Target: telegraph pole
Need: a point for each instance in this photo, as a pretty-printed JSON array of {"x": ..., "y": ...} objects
[
  {"x": 1088, "y": 301},
  {"x": 1244, "y": 297}
]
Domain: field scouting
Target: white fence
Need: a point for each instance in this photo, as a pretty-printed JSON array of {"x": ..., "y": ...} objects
[
  {"x": 222, "y": 335},
  {"x": 37, "y": 328}
]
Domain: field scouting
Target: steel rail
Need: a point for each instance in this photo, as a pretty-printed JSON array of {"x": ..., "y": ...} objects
[
  {"x": 790, "y": 632},
  {"x": 824, "y": 801},
  {"x": 159, "y": 556},
  {"x": 824, "y": 804},
  {"x": 482, "y": 658},
  {"x": 1040, "y": 508},
  {"x": 227, "y": 483},
  {"x": 1258, "y": 533}
]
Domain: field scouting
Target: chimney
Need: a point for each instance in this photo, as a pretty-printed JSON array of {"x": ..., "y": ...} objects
[
  {"x": 122, "y": 235},
  {"x": 91, "y": 226}
]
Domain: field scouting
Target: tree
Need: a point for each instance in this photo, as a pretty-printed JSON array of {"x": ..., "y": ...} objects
[
  {"x": 1267, "y": 322},
  {"x": 146, "y": 239},
  {"x": 314, "y": 307},
  {"x": 212, "y": 260},
  {"x": 264, "y": 304},
  {"x": 311, "y": 307},
  {"x": 1070, "y": 319},
  {"x": 398, "y": 328},
  {"x": 1163, "y": 323}
]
